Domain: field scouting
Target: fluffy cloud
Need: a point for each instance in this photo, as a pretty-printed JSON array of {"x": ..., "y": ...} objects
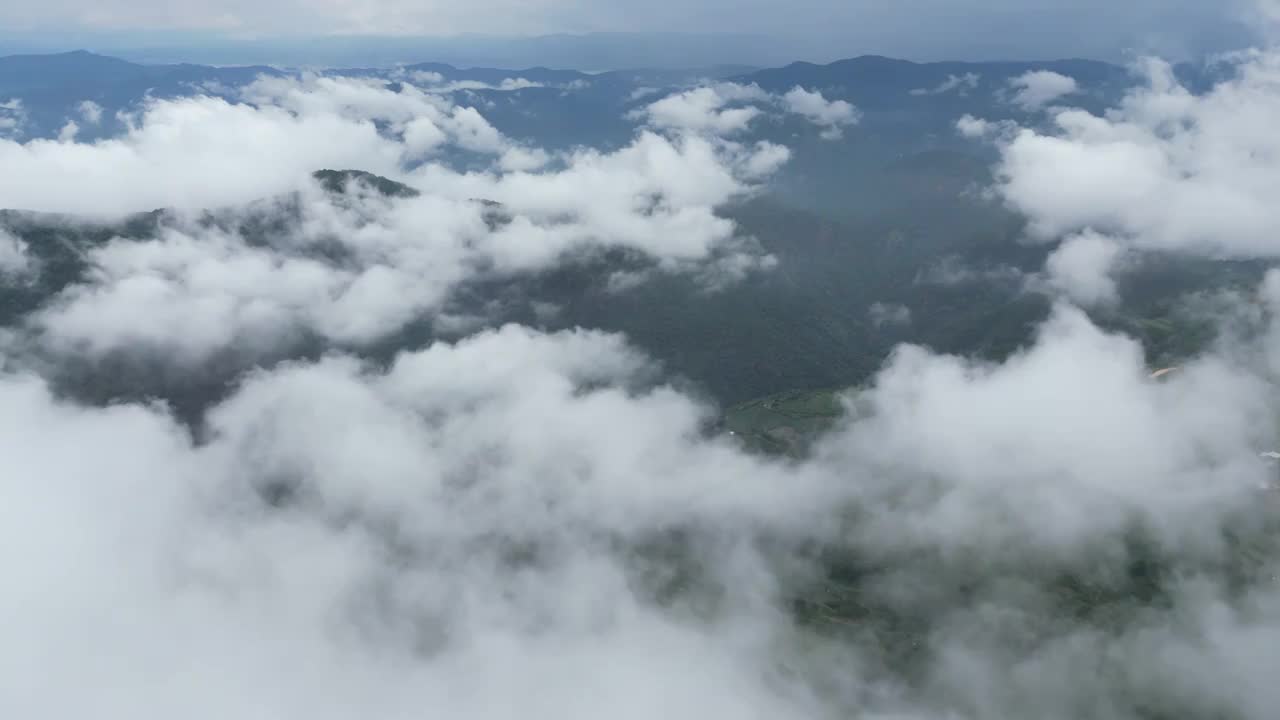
[
  {"x": 1038, "y": 88},
  {"x": 90, "y": 112},
  {"x": 195, "y": 290},
  {"x": 356, "y": 269},
  {"x": 1082, "y": 267},
  {"x": 507, "y": 85},
  {"x": 832, "y": 115},
  {"x": 418, "y": 555},
  {"x": 203, "y": 152},
  {"x": 424, "y": 537},
  {"x": 705, "y": 109},
  {"x": 725, "y": 109},
  {"x": 190, "y": 153},
  {"x": 521, "y": 523},
  {"x": 1166, "y": 170}
]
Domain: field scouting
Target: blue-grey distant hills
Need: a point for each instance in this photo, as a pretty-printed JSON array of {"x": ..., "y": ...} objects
[{"x": 50, "y": 85}]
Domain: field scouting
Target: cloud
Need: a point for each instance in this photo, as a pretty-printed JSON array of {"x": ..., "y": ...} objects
[
  {"x": 882, "y": 314},
  {"x": 200, "y": 152},
  {"x": 832, "y": 115},
  {"x": 437, "y": 83},
  {"x": 68, "y": 132},
  {"x": 15, "y": 261},
  {"x": 521, "y": 523},
  {"x": 705, "y": 109},
  {"x": 641, "y": 93},
  {"x": 195, "y": 291},
  {"x": 13, "y": 116},
  {"x": 1082, "y": 268},
  {"x": 190, "y": 153},
  {"x": 726, "y": 109},
  {"x": 951, "y": 271},
  {"x": 959, "y": 84},
  {"x": 1036, "y": 89},
  {"x": 424, "y": 537},
  {"x": 355, "y": 269},
  {"x": 90, "y": 112},
  {"x": 1167, "y": 170},
  {"x": 406, "y": 562}
]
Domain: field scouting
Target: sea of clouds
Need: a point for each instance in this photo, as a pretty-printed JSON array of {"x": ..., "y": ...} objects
[{"x": 518, "y": 523}]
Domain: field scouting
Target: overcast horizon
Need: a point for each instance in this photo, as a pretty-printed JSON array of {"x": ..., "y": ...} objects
[{"x": 714, "y": 31}]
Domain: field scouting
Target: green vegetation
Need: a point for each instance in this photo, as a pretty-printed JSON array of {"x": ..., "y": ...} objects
[
  {"x": 338, "y": 181},
  {"x": 786, "y": 423}
]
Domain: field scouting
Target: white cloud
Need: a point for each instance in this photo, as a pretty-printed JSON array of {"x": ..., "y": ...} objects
[
  {"x": 90, "y": 112},
  {"x": 437, "y": 83},
  {"x": 202, "y": 152},
  {"x": 15, "y": 260},
  {"x": 725, "y": 109},
  {"x": 525, "y": 524},
  {"x": 198, "y": 291},
  {"x": 425, "y": 566},
  {"x": 959, "y": 84},
  {"x": 13, "y": 116},
  {"x": 1166, "y": 170},
  {"x": 194, "y": 292},
  {"x": 1036, "y": 89},
  {"x": 972, "y": 127},
  {"x": 422, "y": 136},
  {"x": 1082, "y": 268},
  {"x": 68, "y": 132},
  {"x": 197, "y": 152},
  {"x": 642, "y": 92},
  {"x": 518, "y": 159},
  {"x": 831, "y": 115},
  {"x": 705, "y": 109},
  {"x": 765, "y": 159},
  {"x": 439, "y": 544}
]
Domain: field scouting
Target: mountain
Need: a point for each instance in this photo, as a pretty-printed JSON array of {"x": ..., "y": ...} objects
[
  {"x": 51, "y": 88},
  {"x": 591, "y": 52},
  {"x": 879, "y": 82},
  {"x": 841, "y": 298},
  {"x": 906, "y": 107}
]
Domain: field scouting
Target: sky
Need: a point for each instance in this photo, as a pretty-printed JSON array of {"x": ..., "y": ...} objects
[{"x": 801, "y": 29}]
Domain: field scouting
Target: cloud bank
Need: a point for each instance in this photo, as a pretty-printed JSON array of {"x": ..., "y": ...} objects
[
  {"x": 355, "y": 269},
  {"x": 1166, "y": 171},
  {"x": 519, "y": 522}
]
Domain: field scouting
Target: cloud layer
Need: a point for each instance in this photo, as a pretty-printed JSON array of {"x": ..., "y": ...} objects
[
  {"x": 520, "y": 523},
  {"x": 1166, "y": 171},
  {"x": 356, "y": 268}
]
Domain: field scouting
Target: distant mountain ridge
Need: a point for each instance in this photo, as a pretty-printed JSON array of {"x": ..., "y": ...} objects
[{"x": 87, "y": 69}]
